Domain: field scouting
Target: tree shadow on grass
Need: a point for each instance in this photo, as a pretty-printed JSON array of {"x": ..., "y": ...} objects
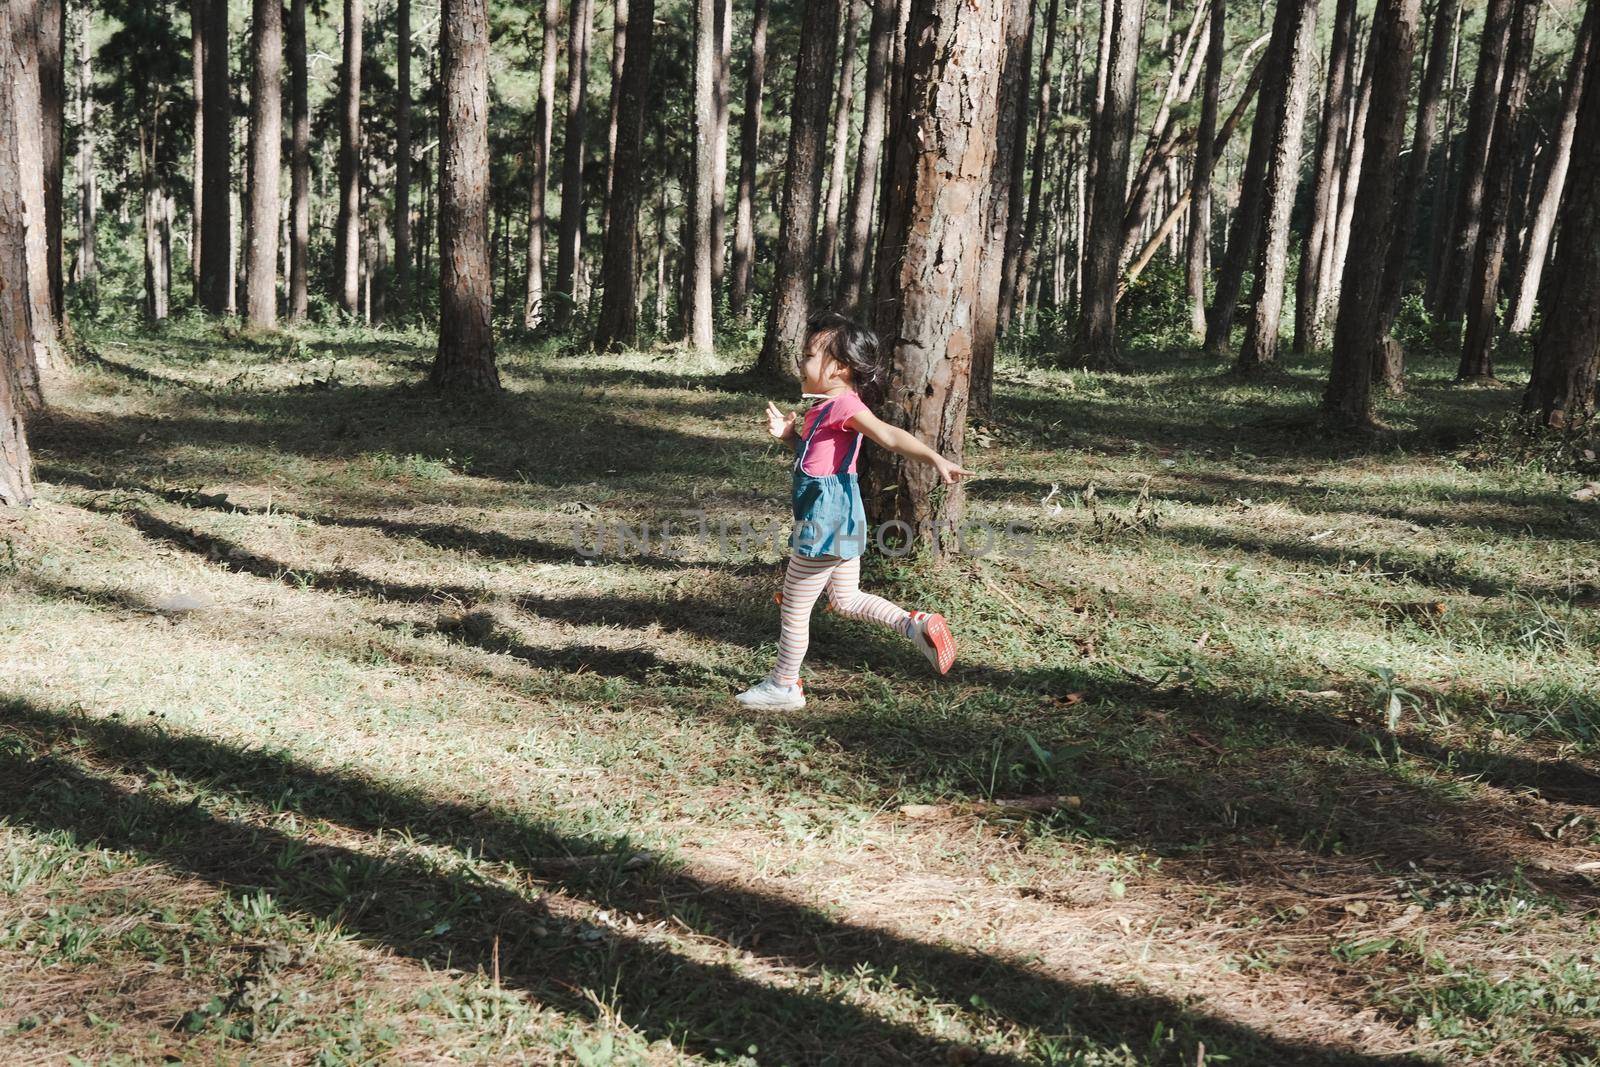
[{"x": 65, "y": 773}]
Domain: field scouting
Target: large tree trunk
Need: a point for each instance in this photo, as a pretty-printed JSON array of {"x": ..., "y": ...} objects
[
  {"x": 1358, "y": 331},
  {"x": 698, "y": 325},
  {"x": 1477, "y": 349},
  {"x": 1330, "y": 135},
  {"x": 827, "y": 248},
  {"x": 27, "y": 100},
  {"x": 1205, "y": 161},
  {"x": 1028, "y": 236},
  {"x": 347, "y": 237},
  {"x": 1450, "y": 300},
  {"x": 52, "y": 105},
  {"x": 16, "y": 313},
  {"x": 1260, "y": 348},
  {"x": 266, "y": 140},
  {"x": 402, "y": 154},
  {"x": 1110, "y": 145},
  {"x": 465, "y": 359},
  {"x": 88, "y": 192},
  {"x": 802, "y": 185},
  {"x": 299, "y": 167},
  {"x": 216, "y": 233},
  {"x": 744, "y": 227},
  {"x": 1552, "y": 181},
  {"x": 543, "y": 122},
  {"x": 936, "y": 193},
  {"x": 719, "y": 148},
  {"x": 580, "y": 19},
  {"x": 1010, "y": 144},
  {"x": 618, "y": 326},
  {"x": 858, "y": 223},
  {"x": 1562, "y": 389}
]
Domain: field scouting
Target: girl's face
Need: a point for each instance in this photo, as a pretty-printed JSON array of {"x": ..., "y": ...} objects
[{"x": 820, "y": 372}]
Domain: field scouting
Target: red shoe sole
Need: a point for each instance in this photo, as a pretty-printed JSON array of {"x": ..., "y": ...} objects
[{"x": 944, "y": 645}]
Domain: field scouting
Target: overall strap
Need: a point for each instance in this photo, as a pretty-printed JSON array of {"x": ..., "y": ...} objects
[
  {"x": 855, "y": 450},
  {"x": 805, "y": 446}
]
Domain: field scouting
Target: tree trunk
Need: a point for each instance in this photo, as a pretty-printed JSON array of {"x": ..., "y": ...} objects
[
  {"x": 52, "y": 105},
  {"x": 1260, "y": 348},
  {"x": 719, "y": 148},
  {"x": 1552, "y": 181},
  {"x": 802, "y": 185},
  {"x": 299, "y": 167},
  {"x": 1330, "y": 135},
  {"x": 1245, "y": 230},
  {"x": 1336, "y": 246},
  {"x": 266, "y": 140},
  {"x": 619, "y": 60},
  {"x": 1205, "y": 162},
  {"x": 580, "y": 19},
  {"x": 1439, "y": 228},
  {"x": 869, "y": 153},
  {"x": 1450, "y": 301},
  {"x": 1110, "y": 145},
  {"x": 347, "y": 236},
  {"x": 216, "y": 235},
  {"x": 1358, "y": 331},
  {"x": 827, "y": 249},
  {"x": 16, "y": 312},
  {"x": 1562, "y": 389},
  {"x": 618, "y": 326},
  {"x": 543, "y": 122},
  {"x": 402, "y": 155},
  {"x": 88, "y": 192},
  {"x": 1477, "y": 349},
  {"x": 744, "y": 229},
  {"x": 197, "y": 184},
  {"x": 1028, "y": 237},
  {"x": 698, "y": 325},
  {"x": 465, "y": 359},
  {"x": 936, "y": 193},
  {"x": 30, "y": 124}
]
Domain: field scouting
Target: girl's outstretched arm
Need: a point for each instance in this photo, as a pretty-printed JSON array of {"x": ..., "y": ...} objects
[{"x": 897, "y": 440}]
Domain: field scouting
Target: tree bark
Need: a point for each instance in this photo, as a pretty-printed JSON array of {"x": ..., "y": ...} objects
[
  {"x": 619, "y": 61},
  {"x": 1336, "y": 246},
  {"x": 1330, "y": 135},
  {"x": 827, "y": 248},
  {"x": 580, "y": 19},
  {"x": 266, "y": 140},
  {"x": 465, "y": 359},
  {"x": 543, "y": 123},
  {"x": 347, "y": 236},
  {"x": 197, "y": 184},
  {"x": 86, "y": 268},
  {"x": 618, "y": 325},
  {"x": 1477, "y": 349},
  {"x": 1110, "y": 145},
  {"x": 402, "y": 154},
  {"x": 802, "y": 186},
  {"x": 744, "y": 229},
  {"x": 1260, "y": 347},
  {"x": 1028, "y": 237},
  {"x": 1552, "y": 181},
  {"x": 16, "y": 311},
  {"x": 719, "y": 149},
  {"x": 936, "y": 193},
  {"x": 858, "y": 224},
  {"x": 1561, "y": 391},
  {"x": 1450, "y": 301},
  {"x": 1439, "y": 228},
  {"x": 697, "y": 297},
  {"x": 52, "y": 105},
  {"x": 28, "y": 101},
  {"x": 299, "y": 167},
  {"x": 1358, "y": 331},
  {"x": 1205, "y": 161}
]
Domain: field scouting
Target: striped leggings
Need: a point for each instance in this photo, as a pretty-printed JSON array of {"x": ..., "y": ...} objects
[{"x": 803, "y": 583}]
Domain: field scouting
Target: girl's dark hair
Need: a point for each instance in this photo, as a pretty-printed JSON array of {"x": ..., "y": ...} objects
[{"x": 855, "y": 346}]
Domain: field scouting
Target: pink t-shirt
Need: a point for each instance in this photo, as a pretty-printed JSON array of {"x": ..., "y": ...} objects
[{"x": 833, "y": 444}]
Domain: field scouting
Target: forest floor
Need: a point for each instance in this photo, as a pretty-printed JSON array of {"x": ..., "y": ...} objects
[{"x": 320, "y": 741}]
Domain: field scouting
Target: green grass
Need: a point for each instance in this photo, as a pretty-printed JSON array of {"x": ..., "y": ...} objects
[{"x": 409, "y": 777}]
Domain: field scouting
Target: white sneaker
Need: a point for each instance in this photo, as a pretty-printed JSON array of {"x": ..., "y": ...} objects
[
  {"x": 931, "y": 633},
  {"x": 769, "y": 694}
]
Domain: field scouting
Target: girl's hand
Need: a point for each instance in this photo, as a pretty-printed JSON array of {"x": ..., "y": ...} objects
[
  {"x": 950, "y": 473},
  {"x": 780, "y": 424}
]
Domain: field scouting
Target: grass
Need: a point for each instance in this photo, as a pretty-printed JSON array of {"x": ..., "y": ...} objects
[{"x": 321, "y": 741}]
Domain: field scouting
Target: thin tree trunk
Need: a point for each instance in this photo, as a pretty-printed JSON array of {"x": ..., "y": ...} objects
[
  {"x": 580, "y": 19},
  {"x": 52, "y": 105},
  {"x": 465, "y": 359},
  {"x": 16, "y": 312},
  {"x": 543, "y": 122},
  {"x": 858, "y": 225},
  {"x": 934, "y": 212},
  {"x": 1477, "y": 349},
  {"x": 699, "y": 328},
  {"x": 266, "y": 140},
  {"x": 1439, "y": 225},
  {"x": 1449, "y": 303},
  {"x": 402, "y": 155},
  {"x": 802, "y": 187},
  {"x": 619, "y": 59},
  {"x": 827, "y": 248},
  {"x": 1330, "y": 135},
  {"x": 1336, "y": 245},
  {"x": 618, "y": 326},
  {"x": 347, "y": 244},
  {"x": 28, "y": 102},
  {"x": 1260, "y": 348},
  {"x": 1358, "y": 331},
  {"x": 1552, "y": 181},
  {"x": 1110, "y": 144},
  {"x": 719, "y": 148},
  {"x": 299, "y": 167},
  {"x": 1205, "y": 162},
  {"x": 744, "y": 230},
  {"x": 197, "y": 39},
  {"x": 88, "y": 193},
  {"x": 1028, "y": 237}
]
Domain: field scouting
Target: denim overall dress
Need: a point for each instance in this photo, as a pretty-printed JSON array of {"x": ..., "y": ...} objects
[{"x": 829, "y": 517}]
